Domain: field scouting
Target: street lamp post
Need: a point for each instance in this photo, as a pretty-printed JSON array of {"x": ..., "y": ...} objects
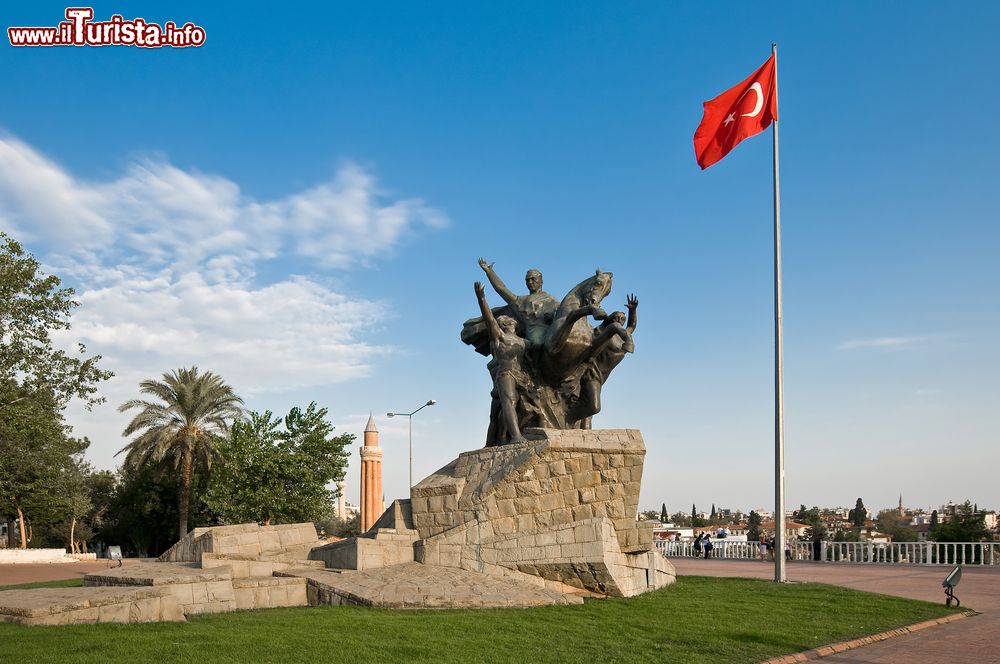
[{"x": 410, "y": 416}]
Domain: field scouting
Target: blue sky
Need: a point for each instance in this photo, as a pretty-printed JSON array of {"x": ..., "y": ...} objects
[{"x": 299, "y": 204}]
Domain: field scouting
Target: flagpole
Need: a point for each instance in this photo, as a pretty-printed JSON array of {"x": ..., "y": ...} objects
[{"x": 779, "y": 423}]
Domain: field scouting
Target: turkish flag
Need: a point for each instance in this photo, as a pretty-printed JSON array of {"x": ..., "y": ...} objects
[{"x": 740, "y": 112}]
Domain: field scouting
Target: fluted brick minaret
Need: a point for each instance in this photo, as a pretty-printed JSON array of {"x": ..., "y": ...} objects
[{"x": 371, "y": 477}]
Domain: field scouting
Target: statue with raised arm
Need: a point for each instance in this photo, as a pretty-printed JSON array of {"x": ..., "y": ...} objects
[
  {"x": 506, "y": 369},
  {"x": 534, "y": 310},
  {"x": 550, "y": 361}
]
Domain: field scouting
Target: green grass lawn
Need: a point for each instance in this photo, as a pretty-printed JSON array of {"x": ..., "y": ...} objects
[
  {"x": 698, "y": 619},
  {"x": 62, "y": 583}
]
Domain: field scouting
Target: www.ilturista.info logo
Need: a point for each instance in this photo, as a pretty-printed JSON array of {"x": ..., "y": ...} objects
[{"x": 81, "y": 30}]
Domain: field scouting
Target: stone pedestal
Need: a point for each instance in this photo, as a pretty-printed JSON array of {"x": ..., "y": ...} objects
[{"x": 560, "y": 507}]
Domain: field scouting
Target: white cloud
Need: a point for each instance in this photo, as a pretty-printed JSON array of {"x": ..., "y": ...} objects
[
  {"x": 882, "y": 342},
  {"x": 157, "y": 214},
  {"x": 164, "y": 263}
]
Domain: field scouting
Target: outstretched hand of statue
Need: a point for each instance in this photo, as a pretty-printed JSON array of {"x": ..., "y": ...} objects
[
  {"x": 632, "y": 302},
  {"x": 480, "y": 290},
  {"x": 486, "y": 266}
]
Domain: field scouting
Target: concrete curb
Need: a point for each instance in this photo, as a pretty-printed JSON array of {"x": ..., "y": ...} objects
[{"x": 833, "y": 648}]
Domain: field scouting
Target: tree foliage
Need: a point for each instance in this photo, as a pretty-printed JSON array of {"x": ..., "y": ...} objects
[
  {"x": 813, "y": 518},
  {"x": 185, "y": 425},
  {"x": 38, "y": 463},
  {"x": 963, "y": 524},
  {"x": 141, "y": 510},
  {"x": 33, "y": 306},
  {"x": 858, "y": 515},
  {"x": 753, "y": 526},
  {"x": 278, "y": 474},
  {"x": 891, "y": 523}
]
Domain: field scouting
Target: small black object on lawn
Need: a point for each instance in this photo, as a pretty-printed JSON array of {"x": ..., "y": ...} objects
[
  {"x": 949, "y": 584},
  {"x": 115, "y": 553}
]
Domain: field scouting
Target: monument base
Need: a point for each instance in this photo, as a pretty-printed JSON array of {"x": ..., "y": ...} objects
[{"x": 560, "y": 507}]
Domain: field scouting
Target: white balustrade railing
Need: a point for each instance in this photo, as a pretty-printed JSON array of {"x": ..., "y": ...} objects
[{"x": 899, "y": 553}]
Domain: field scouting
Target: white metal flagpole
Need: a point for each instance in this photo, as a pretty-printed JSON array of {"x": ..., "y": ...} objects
[{"x": 779, "y": 422}]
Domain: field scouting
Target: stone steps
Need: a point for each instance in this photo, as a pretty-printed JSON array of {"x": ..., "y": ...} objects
[
  {"x": 196, "y": 590},
  {"x": 73, "y": 606}
]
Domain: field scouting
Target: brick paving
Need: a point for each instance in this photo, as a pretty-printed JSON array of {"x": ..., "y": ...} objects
[{"x": 972, "y": 640}]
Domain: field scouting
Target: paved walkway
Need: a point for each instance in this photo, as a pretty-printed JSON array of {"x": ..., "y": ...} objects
[
  {"x": 972, "y": 640},
  {"x": 29, "y": 573}
]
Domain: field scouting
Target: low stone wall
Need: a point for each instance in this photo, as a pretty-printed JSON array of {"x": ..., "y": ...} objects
[
  {"x": 270, "y": 593},
  {"x": 34, "y": 556},
  {"x": 246, "y": 539},
  {"x": 380, "y": 548},
  {"x": 243, "y": 567}
]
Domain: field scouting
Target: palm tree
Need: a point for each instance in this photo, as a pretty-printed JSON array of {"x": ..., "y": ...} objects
[{"x": 191, "y": 417}]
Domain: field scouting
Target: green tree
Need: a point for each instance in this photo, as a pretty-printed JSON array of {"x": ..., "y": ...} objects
[
  {"x": 963, "y": 525},
  {"x": 186, "y": 425},
  {"x": 890, "y": 522},
  {"x": 273, "y": 475},
  {"x": 858, "y": 515},
  {"x": 696, "y": 521},
  {"x": 37, "y": 380},
  {"x": 37, "y": 453},
  {"x": 681, "y": 519},
  {"x": 141, "y": 512},
  {"x": 812, "y": 517},
  {"x": 32, "y": 306},
  {"x": 753, "y": 526},
  {"x": 934, "y": 519}
]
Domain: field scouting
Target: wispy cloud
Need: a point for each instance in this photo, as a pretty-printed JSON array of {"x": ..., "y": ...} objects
[
  {"x": 165, "y": 264},
  {"x": 883, "y": 342}
]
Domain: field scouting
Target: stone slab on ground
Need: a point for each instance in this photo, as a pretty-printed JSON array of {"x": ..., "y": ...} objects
[
  {"x": 69, "y": 606},
  {"x": 414, "y": 585},
  {"x": 157, "y": 574}
]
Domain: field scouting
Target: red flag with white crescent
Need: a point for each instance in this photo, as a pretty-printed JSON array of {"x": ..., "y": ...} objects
[{"x": 740, "y": 112}]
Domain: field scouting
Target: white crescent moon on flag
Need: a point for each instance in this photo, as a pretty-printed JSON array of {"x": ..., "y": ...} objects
[{"x": 760, "y": 101}]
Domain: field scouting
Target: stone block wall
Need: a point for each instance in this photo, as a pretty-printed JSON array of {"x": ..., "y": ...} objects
[
  {"x": 247, "y": 539},
  {"x": 380, "y": 548},
  {"x": 560, "y": 507}
]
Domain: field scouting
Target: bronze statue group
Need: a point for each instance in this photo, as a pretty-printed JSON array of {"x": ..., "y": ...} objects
[{"x": 548, "y": 362}]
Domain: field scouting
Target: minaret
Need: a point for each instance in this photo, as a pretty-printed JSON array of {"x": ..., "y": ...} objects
[
  {"x": 342, "y": 500},
  {"x": 900, "y": 504},
  {"x": 371, "y": 477}
]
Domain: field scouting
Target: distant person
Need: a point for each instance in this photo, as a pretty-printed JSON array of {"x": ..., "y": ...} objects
[
  {"x": 697, "y": 546},
  {"x": 788, "y": 549},
  {"x": 763, "y": 548},
  {"x": 708, "y": 546}
]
